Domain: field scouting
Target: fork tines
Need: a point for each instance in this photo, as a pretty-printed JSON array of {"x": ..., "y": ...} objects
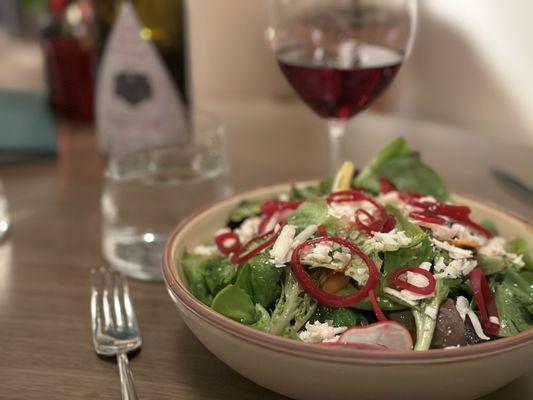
[{"x": 111, "y": 308}]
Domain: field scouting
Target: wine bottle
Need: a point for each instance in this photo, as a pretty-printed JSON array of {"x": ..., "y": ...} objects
[{"x": 142, "y": 91}]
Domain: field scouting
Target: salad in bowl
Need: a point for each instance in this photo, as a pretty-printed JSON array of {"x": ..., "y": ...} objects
[{"x": 379, "y": 258}]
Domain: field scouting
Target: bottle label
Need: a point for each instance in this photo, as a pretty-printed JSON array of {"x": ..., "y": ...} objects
[{"x": 137, "y": 104}]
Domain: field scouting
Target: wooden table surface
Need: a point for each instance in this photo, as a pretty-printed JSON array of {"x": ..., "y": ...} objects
[{"x": 45, "y": 340}]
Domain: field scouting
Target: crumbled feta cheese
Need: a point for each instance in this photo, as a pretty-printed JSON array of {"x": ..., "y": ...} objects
[
  {"x": 455, "y": 269},
  {"x": 392, "y": 199},
  {"x": 455, "y": 252},
  {"x": 304, "y": 235},
  {"x": 203, "y": 250},
  {"x": 431, "y": 311},
  {"x": 452, "y": 347},
  {"x": 343, "y": 210},
  {"x": 283, "y": 245},
  {"x": 425, "y": 265},
  {"x": 456, "y": 232},
  {"x": 463, "y": 308},
  {"x": 400, "y": 295},
  {"x": 427, "y": 199},
  {"x": 416, "y": 279},
  {"x": 248, "y": 229},
  {"x": 518, "y": 260},
  {"x": 495, "y": 247},
  {"x": 390, "y": 241},
  {"x": 319, "y": 253},
  {"x": 284, "y": 197},
  {"x": 318, "y": 332}
]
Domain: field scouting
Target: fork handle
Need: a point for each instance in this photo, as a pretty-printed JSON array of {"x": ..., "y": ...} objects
[{"x": 126, "y": 378}]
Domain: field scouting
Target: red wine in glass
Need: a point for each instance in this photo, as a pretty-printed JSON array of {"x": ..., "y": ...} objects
[{"x": 339, "y": 86}]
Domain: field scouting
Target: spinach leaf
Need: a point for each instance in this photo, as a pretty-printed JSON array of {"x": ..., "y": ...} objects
[
  {"x": 413, "y": 231},
  {"x": 368, "y": 178},
  {"x": 262, "y": 318},
  {"x": 235, "y": 303},
  {"x": 406, "y": 257},
  {"x": 194, "y": 269},
  {"x": 219, "y": 273},
  {"x": 491, "y": 264},
  {"x": 514, "y": 300},
  {"x": 339, "y": 316},
  {"x": 303, "y": 192},
  {"x": 397, "y": 163},
  {"x": 385, "y": 303},
  {"x": 261, "y": 280},
  {"x": 313, "y": 211},
  {"x": 326, "y": 185},
  {"x": 519, "y": 246},
  {"x": 245, "y": 209}
]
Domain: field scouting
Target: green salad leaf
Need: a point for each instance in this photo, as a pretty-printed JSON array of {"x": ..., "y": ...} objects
[
  {"x": 312, "y": 212},
  {"x": 339, "y": 316},
  {"x": 235, "y": 303},
  {"x": 398, "y": 163},
  {"x": 261, "y": 280},
  {"x": 425, "y": 325},
  {"x": 245, "y": 209},
  {"x": 293, "y": 308},
  {"x": 519, "y": 246},
  {"x": 514, "y": 300},
  {"x": 219, "y": 273},
  {"x": 414, "y": 232},
  {"x": 194, "y": 269},
  {"x": 406, "y": 257}
]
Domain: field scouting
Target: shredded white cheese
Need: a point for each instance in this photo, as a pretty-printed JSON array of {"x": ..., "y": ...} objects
[
  {"x": 248, "y": 229},
  {"x": 390, "y": 241},
  {"x": 495, "y": 247},
  {"x": 318, "y": 254},
  {"x": 455, "y": 269},
  {"x": 282, "y": 245},
  {"x": 304, "y": 235},
  {"x": 463, "y": 308},
  {"x": 400, "y": 295},
  {"x": 203, "y": 250},
  {"x": 318, "y": 332},
  {"x": 455, "y": 252}
]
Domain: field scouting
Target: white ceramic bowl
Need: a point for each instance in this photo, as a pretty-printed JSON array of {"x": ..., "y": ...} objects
[{"x": 304, "y": 371}]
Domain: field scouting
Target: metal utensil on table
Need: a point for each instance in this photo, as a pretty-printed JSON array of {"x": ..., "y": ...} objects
[
  {"x": 114, "y": 325},
  {"x": 519, "y": 187}
]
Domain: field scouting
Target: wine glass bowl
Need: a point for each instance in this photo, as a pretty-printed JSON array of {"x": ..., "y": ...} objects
[{"x": 340, "y": 55}]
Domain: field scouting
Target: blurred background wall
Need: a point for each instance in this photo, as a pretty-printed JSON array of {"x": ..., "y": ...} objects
[{"x": 471, "y": 66}]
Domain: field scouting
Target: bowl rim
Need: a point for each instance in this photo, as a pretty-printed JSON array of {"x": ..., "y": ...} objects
[{"x": 179, "y": 292}]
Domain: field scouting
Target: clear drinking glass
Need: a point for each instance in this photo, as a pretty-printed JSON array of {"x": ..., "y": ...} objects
[
  {"x": 5, "y": 222},
  {"x": 147, "y": 192},
  {"x": 339, "y": 55}
]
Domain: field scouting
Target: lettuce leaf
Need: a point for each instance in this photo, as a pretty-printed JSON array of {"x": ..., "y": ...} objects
[
  {"x": 513, "y": 292},
  {"x": 399, "y": 164}
]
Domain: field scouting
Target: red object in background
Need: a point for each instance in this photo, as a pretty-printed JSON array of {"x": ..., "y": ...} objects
[
  {"x": 57, "y": 7},
  {"x": 69, "y": 58},
  {"x": 70, "y": 69}
]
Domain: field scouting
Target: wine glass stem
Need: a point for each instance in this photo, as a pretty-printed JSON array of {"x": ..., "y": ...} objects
[{"x": 337, "y": 128}]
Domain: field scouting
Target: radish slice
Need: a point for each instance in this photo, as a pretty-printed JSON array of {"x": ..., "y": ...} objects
[
  {"x": 357, "y": 345},
  {"x": 388, "y": 334}
]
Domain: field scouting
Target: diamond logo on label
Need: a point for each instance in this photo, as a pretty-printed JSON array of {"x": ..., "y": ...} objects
[{"x": 132, "y": 87}]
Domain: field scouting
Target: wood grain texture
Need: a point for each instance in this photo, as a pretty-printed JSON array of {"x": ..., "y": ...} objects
[{"x": 45, "y": 338}]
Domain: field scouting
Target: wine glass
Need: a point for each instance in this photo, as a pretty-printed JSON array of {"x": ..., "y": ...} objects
[{"x": 339, "y": 55}]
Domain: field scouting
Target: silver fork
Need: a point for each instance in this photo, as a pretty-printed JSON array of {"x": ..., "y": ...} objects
[{"x": 114, "y": 325}]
